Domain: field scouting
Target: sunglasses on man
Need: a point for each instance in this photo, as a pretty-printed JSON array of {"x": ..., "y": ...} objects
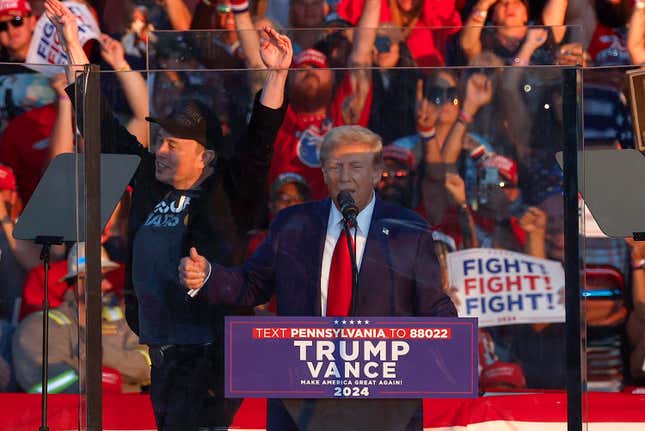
[
  {"x": 16, "y": 21},
  {"x": 383, "y": 44},
  {"x": 399, "y": 173}
]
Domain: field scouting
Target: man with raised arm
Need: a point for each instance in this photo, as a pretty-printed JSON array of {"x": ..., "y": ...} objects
[{"x": 186, "y": 194}]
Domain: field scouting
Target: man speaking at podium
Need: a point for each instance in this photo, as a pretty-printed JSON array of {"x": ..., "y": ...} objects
[{"x": 306, "y": 261}]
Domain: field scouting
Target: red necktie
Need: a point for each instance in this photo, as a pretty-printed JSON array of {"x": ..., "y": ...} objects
[{"x": 339, "y": 293}]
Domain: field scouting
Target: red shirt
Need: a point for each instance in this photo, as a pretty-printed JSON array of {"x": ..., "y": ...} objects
[
  {"x": 427, "y": 47},
  {"x": 32, "y": 293},
  {"x": 24, "y": 145},
  {"x": 609, "y": 46},
  {"x": 298, "y": 141}
]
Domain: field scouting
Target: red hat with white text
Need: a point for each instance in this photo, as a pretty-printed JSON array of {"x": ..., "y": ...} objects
[{"x": 13, "y": 8}]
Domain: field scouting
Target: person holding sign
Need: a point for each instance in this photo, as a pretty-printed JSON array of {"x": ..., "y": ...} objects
[
  {"x": 188, "y": 194},
  {"x": 305, "y": 261}
]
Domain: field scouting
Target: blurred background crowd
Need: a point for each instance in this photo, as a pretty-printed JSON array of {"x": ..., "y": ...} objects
[{"x": 470, "y": 127}]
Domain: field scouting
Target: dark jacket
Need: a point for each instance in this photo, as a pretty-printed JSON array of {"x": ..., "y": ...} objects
[
  {"x": 399, "y": 276},
  {"x": 231, "y": 204}
]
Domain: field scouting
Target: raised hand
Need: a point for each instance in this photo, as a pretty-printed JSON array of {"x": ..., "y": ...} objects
[
  {"x": 571, "y": 54},
  {"x": 275, "y": 49},
  {"x": 486, "y": 4},
  {"x": 112, "y": 52},
  {"x": 64, "y": 21},
  {"x": 426, "y": 111},
  {"x": 533, "y": 220},
  {"x": 536, "y": 37},
  {"x": 479, "y": 92},
  {"x": 638, "y": 249},
  {"x": 193, "y": 270},
  {"x": 58, "y": 83},
  {"x": 456, "y": 187},
  {"x": 3, "y": 206}
]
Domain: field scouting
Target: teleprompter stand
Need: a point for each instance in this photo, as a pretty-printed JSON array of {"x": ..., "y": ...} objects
[
  {"x": 606, "y": 186},
  {"x": 55, "y": 214}
]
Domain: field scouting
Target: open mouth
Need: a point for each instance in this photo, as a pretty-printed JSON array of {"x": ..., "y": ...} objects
[{"x": 160, "y": 165}]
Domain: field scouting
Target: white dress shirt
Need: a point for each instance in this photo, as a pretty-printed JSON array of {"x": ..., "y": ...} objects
[{"x": 334, "y": 227}]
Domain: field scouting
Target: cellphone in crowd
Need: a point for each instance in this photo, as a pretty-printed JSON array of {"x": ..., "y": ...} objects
[{"x": 488, "y": 180}]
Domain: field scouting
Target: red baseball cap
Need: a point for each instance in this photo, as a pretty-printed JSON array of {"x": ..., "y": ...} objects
[
  {"x": 7, "y": 178},
  {"x": 310, "y": 57},
  {"x": 12, "y": 8},
  {"x": 502, "y": 374},
  {"x": 400, "y": 154}
]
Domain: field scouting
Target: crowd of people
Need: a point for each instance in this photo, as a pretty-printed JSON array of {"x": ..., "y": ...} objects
[{"x": 469, "y": 132}]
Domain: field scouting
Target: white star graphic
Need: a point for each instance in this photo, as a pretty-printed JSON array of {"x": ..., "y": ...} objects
[
  {"x": 351, "y": 322},
  {"x": 336, "y": 322},
  {"x": 367, "y": 322},
  {"x": 359, "y": 322},
  {"x": 344, "y": 322}
]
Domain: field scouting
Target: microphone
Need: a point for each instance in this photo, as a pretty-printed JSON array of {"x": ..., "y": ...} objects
[{"x": 348, "y": 207}]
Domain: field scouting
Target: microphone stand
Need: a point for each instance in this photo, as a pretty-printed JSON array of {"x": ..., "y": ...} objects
[{"x": 351, "y": 245}]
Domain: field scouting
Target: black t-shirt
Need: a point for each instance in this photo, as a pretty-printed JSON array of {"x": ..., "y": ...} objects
[
  {"x": 167, "y": 315},
  {"x": 544, "y": 55}
]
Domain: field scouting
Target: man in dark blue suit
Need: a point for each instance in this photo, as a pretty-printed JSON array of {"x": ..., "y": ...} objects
[{"x": 303, "y": 261}]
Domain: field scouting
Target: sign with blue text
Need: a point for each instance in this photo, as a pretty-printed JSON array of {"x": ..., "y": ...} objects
[
  {"x": 502, "y": 287},
  {"x": 351, "y": 357}
]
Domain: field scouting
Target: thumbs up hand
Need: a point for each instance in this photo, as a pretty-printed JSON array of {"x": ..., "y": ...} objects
[{"x": 193, "y": 270}]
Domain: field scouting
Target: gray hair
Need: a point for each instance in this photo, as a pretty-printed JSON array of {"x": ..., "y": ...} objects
[{"x": 343, "y": 135}]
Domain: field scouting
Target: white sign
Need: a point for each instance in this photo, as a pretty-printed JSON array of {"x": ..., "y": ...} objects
[
  {"x": 502, "y": 287},
  {"x": 45, "y": 47}
]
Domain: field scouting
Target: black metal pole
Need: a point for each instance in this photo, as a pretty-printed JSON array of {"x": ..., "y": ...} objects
[
  {"x": 44, "y": 255},
  {"x": 571, "y": 95},
  {"x": 46, "y": 242}
]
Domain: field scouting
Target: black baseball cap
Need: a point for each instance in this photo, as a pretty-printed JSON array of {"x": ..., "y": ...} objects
[{"x": 192, "y": 119}]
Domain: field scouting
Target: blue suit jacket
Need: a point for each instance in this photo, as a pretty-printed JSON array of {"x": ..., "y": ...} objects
[{"x": 399, "y": 276}]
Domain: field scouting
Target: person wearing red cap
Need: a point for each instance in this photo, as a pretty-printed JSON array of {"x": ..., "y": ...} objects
[
  {"x": 501, "y": 218},
  {"x": 316, "y": 105},
  {"x": 25, "y": 141},
  {"x": 396, "y": 183},
  {"x": 16, "y": 28},
  {"x": 493, "y": 373},
  {"x": 12, "y": 273}
]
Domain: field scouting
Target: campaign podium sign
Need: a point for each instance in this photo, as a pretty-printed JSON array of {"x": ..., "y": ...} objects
[{"x": 351, "y": 357}]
